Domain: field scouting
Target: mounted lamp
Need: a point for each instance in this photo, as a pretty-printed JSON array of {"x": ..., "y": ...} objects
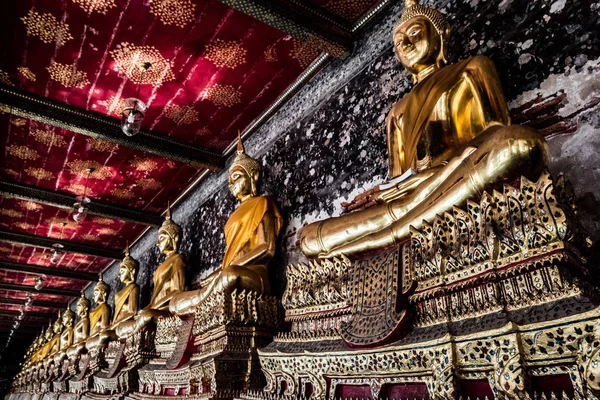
[
  {"x": 57, "y": 252},
  {"x": 133, "y": 113},
  {"x": 80, "y": 208}
]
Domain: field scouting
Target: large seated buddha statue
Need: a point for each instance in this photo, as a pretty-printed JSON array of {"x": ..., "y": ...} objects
[
  {"x": 99, "y": 316},
  {"x": 451, "y": 135},
  {"x": 81, "y": 330},
  {"x": 168, "y": 280},
  {"x": 127, "y": 299},
  {"x": 250, "y": 235}
]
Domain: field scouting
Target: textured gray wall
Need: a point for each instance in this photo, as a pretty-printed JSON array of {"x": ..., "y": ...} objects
[{"x": 328, "y": 143}]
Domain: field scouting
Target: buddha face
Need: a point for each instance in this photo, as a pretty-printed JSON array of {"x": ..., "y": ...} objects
[
  {"x": 57, "y": 325},
  {"x": 165, "y": 243},
  {"x": 81, "y": 309},
  {"x": 417, "y": 44},
  {"x": 99, "y": 295},
  {"x": 125, "y": 275},
  {"x": 240, "y": 184},
  {"x": 67, "y": 319}
]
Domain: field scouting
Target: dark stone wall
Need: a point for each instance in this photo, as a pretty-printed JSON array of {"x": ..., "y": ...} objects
[{"x": 328, "y": 143}]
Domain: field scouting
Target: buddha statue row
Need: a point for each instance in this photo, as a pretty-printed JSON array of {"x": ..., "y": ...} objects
[
  {"x": 449, "y": 140},
  {"x": 250, "y": 233}
]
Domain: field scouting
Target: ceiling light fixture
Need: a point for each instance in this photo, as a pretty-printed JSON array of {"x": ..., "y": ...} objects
[
  {"x": 133, "y": 113},
  {"x": 80, "y": 208},
  {"x": 29, "y": 300},
  {"x": 57, "y": 252},
  {"x": 39, "y": 283}
]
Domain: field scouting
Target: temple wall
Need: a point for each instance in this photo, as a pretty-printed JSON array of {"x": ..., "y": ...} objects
[{"x": 328, "y": 143}]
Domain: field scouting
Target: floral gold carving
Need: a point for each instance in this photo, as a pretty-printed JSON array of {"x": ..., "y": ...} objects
[
  {"x": 22, "y": 152},
  {"x": 122, "y": 193},
  {"x": 68, "y": 75},
  {"x": 304, "y": 52},
  {"x": 18, "y": 121},
  {"x": 114, "y": 104},
  {"x": 128, "y": 58},
  {"x": 11, "y": 213},
  {"x": 222, "y": 95},
  {"x": 102, "y": 221},
  {"x": 173, "y": 12},
  {"x": 144, "y": 164},
  {"x": 47, "y": 28},
  {"x": 149, "y": 183},
  {"x": 25, "y": 226},
  {"x": 90, "y": 237},
  {"x": 26, "y": 73},
  {"x": 99, "y": 6},
  {"x": 271, "y": 53},
  {"x": 181, "y": 115},
  {"x": 226, "y": 53},
  {"x": 102, "y": 145},
  {"x": 77, "y": 189},
  {"x": 29, "y": 205},
  {"x": 81, "y": 168},
  {"x": 106, "y": 231},
  {"x": 39, "y": 173},
  {"x": 5, "y": 80},
  {"x": 48, "y": 137}
]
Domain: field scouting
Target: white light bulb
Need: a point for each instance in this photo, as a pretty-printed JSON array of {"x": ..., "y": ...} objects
[{"x": 55, "y": 257}]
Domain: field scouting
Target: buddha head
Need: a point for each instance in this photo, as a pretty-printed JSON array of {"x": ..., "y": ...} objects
[
  {"x": 169, "y": 234},
  {"x": 58, "y": 324},
  {"x": 49, "y": 333},
  {"x": 67, "y": 318},
  {"x": 128, "y": 268},
  {"x": 421, "y": 37},
  {"x": 243, "y": 174},
  {"x": 101, "y": 290},
  {"x": 83, "y": 306}
]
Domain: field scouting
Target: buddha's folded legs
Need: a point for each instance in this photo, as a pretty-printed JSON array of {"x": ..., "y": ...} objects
[{"x": 497, "y": 155}]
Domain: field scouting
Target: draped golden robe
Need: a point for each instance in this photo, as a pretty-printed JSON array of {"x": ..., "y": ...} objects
[
  {"x": 242, "y": 224},
  {"x": 169, "y": 278},
  {"x": 122, "y": 297},
  {"x": 408, "y": 118},
  {"x": 100, "y": 312}
]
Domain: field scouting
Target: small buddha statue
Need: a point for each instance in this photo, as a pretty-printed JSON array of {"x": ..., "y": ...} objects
[
  {"x": 100, "y": 316},
  {"x": 451, "y": 134},
  {"x": 54, "y": 344},
  {"x": 168, "y": 279},
  {"x": 44, "y": 348},
  {"x": 127, "y": 299},
  {"x": 81, "y": 330},
  {"x": 250, "y": 235},
  {"x": 66, "y": 337}
]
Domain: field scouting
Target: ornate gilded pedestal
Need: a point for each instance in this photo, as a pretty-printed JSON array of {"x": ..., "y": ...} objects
[
  {"x": 214, "y": 353},
  {"x": 503, "y": 306}
]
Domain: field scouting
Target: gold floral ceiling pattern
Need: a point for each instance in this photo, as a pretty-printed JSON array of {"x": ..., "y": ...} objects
[
  {"x": 223, "y": 53},
  {"x": 173, "y": 12},
  {"x": 101, "y": 145},
  {"x": 5, "y": 78},
  {"x": 26, "y": 73},
  {"x": 39, "y": 173},
  {"x": 223, "y": 95},
  {"x": 181, "y": 115},
  {"x": 67, "y": 75},
  {"x": 22, "y": 152},
  {"x": 129, "y": 58},
  {"x": 48, "y": 137},
  {"x": 304, "y": 52},
  {"x": 81, "y": 167},
  {"x": 99, "y": 6},
  {"x": 47, "y": 28},
  {"x": 149, "y": 184}
]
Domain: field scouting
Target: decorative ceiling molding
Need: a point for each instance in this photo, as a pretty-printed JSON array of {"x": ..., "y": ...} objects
[
  {"x": 68, "y": 247},
  {"x": 57, "y": 272},
  {"x": 304, "y": 21},
  {"x": 28, "y": 105},
  {"x": 43, "y": 290},
  {"x": 66, "y": 201},
  {"x": 35, "y": 303}
]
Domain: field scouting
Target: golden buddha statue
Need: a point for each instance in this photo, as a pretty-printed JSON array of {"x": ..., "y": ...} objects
[
  {"x": 54, "y": 344},
  {"x": 44, "y": 346},
  {"x": 81, "y": 330},
  {"x": 66, "y": 337},
  {"x": 452, "y": 131},
  {"x": 127, "y": 299},
  {"x": 168, "y": 279},
  {"x": 100, "y": 316},
  {"x": 250, "y": 235}
]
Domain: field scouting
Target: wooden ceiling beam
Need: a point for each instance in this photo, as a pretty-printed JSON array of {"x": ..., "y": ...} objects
[
  {"x": 66, "y": 201},
  {"x": 67, "y": 247},
  {"x": 48, "y": 271},
  {"x": 302, "y": 20},
  {"x": 90, "y": 123},
  {"x": 43, "y": 290},
  {"x": 35, "y": 303}
]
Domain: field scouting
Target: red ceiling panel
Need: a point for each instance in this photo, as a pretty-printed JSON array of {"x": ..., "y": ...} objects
[
  {"x": 13, "y": 294},
  {"x": 213, "y": 69},
  {"x": 39, "y": 256},
  {"x": 23, "y": 278},
  {"x": 35, "y": 309}
]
